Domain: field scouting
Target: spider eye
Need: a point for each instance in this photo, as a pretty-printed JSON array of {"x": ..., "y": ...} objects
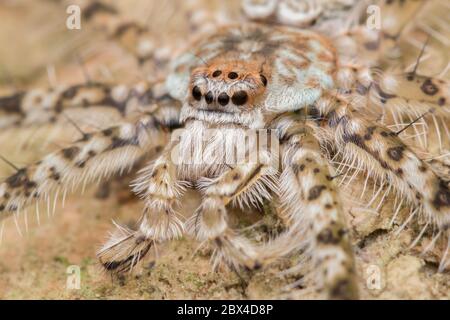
[
  {"x": 209, "y": 97},
  {"x": 263, "y": 79},
  {"x": 223, "y": 99},
  {"x": 239, "y": 98},
  {"x": 216, "y": 73},
  {"x": 233, "y": 75},
  {"x": 196, "y": 93}
]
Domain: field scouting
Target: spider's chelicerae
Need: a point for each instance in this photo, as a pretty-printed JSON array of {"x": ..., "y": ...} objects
[{"x": 309, "y": 72}]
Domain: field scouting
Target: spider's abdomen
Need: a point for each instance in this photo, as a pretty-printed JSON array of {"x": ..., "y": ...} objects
[{"x": 279, "y": 68}]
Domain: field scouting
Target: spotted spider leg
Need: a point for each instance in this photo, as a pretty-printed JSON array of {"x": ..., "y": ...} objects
[
  {"x": 384, "y": 156},
  {"x": 161, "y": 190},
  {"x": 328, "y": 240},
  {"x": 413, "y": 96},
  {"x": 366, "y": 72},
  {"x": 89, "y": 106},
  {"x": 42, "y": 106},
  {"x": 311, "y": 209},
  {"x": 245, "y": 182},
  {"x": 93, "y": 157},
  {"x": 398, "y": 97}
]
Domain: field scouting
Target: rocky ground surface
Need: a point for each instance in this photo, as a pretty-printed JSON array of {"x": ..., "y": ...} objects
[{"x": 37, "y": 265}]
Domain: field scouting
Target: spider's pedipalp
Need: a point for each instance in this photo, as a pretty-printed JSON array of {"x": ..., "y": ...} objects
[
  {"x": 209, "y": 223},
  {"x": 245, "y": 183},
  {"x": 123, "y": 251},
  {"x": 160, "y": 188}
]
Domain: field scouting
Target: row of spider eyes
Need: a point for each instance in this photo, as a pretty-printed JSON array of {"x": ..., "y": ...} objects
[
  {"x": 233, "y": 75},
  {"x": 239, "y": 98}
]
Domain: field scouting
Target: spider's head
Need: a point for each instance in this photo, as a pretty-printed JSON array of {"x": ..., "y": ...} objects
[
  {"x": 226, "y": 91},
  {"x": 245, "y": 75}
]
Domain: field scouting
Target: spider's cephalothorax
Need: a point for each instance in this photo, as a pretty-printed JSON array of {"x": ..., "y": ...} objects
[
  {"x": 257, "y": 68},
  {"x": 315, "y": 93}
]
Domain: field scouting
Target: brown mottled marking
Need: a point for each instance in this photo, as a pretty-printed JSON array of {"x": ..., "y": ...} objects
[
  {"x": 107, "y": 132},
  {"x": 429, "y": 88},
  {"x": 12, "y": 104},
  {"x": 298, "y": 168},
  {"x": 55, "y": 176},
  {"x": 81, "y": 164},
  {"x": 118, "y": 142},
  {"x": 342, "y": 289},
  {"x": 70, "y": 153},
  {"x": 369, "y": 133},
  {"x": 30, "y": 184},
  {"x": 442, "y": 197},
  {"x": 372, "y": 45},
  {"x": 315, "y": 192},
  {"x": 18, "y": 179},
  {"x": 70, "y": 92},
  {"x": 328, "y": 236},
  {"x": 97, "y": 7},
  {"x": 396, "y": 153},
  {"x": 123, "y": 28},
  {"x": 155, "y": 173}
]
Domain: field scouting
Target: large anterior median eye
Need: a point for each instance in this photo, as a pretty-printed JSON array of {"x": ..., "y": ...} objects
[
  {"x": 196, "y": 93},
  {"x": 239, "y": 98},
  {"x": 223, "y": 99},
  {"x": 209, "y": 98}
]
